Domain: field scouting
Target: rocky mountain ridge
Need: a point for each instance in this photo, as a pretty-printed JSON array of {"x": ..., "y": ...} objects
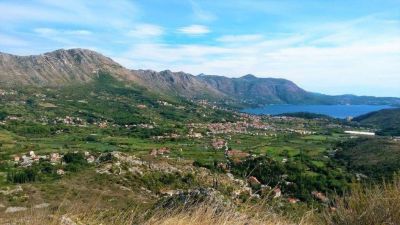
[{"x": 77, "y": 66}]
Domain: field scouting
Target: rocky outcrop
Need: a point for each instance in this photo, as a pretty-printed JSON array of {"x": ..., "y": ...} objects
[
  {"x": 193, "y": 197},
  {"x": 77, "y": 66},
  {"x": 56, "y": 68},
  {"x": 177, "y": 83}
]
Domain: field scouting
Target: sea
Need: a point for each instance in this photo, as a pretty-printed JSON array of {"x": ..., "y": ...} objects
[{"x": 336, "y": 111}]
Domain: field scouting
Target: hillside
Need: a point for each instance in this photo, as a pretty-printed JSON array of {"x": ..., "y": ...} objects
[
  {"x": 255, "y": 90},
  {"x": 81, "y": 132},
  {"x": 56, "y": 68},
  {"x": 387, "y": 120},
  {"x": 260, "y": 91},
  {"x": 177, "y": 83},
  {"x": 75, "y": 66},
  {"x": 376, "y": 158}
]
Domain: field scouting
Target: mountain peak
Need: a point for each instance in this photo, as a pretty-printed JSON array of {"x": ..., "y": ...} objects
[
  {"x": 55, "y": 68},
  {"x": 249, "y": 76}
]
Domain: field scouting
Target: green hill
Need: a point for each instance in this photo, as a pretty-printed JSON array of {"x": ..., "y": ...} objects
[
  {"x": 373, "y": 157},
  {"x": 387, "y": 120}
]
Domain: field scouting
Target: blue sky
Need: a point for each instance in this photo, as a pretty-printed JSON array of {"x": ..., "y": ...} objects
[{"x": 327, "y": 46}]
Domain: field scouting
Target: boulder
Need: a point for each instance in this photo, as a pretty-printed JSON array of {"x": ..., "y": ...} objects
[{"x": 253, "y": 181}]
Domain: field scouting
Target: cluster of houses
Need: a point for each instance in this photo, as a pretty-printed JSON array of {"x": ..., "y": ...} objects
[
  {"x": 301, "y": 132},
  {"x": 26, "y": 160},
  {"x": 248, "y": 124},
  {"x": 193, "y": 134},
  {"x": 164, "y": 103},
  {"x": 166, "y": 136},
  {"x": 276, "y": 192},
  {"x": 70, "y": 120},
  {"x": 141, "y": 125},
  {"x": 219, "y": 144}
]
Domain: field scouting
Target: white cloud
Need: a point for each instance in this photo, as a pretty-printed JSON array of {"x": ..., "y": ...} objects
[
  {"x": 49, "y": 31},
  {"x": 146, "y": 30},
  {"x": 79, "y": 32},
  {"x": 194, "y": 30},
  {"x": 353, "y": 56},
  {"x": 101, "y": 13},
  {"x": 348, "y": 59},
  {"x": 45, "y": 31}
]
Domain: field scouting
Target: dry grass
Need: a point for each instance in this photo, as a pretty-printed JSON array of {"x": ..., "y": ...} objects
[
  {"x": 200, "y": 214},
  {"x": 378, "y": 204},
  {"x": 206, "y": 215}
]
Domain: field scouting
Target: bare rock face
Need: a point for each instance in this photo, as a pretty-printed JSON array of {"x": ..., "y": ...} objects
[
  {"x": 55, "y": 68},
  {"x": 177, "y": 83},
  {"x": 77, "y": 66},
  {"x": 177, "y": 198}
]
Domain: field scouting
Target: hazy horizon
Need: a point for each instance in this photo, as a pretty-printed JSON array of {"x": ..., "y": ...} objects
[{"x": 334, "y": 48}]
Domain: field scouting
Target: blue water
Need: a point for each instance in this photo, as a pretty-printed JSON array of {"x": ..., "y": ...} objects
[{"x": 337, "y": 111}]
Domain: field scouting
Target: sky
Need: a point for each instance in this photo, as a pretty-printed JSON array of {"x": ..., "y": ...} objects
[{"x": 325, "y": 46}]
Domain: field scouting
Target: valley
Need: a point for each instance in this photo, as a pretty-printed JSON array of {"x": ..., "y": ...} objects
[{"x": 89, "y": 132}]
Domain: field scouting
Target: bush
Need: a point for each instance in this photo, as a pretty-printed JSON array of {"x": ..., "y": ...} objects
[
  {"x": 91, "y": 138},
  {"x": 3, "y": 115},
  {"x": 76, "y": 158},
  {"x": 22, "y": 175},
  {"x": 378, "y": 204}
]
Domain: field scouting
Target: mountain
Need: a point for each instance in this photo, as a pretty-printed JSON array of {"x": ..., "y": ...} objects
[
  {"x": 260, "y": 91},
  {"x": 65, "y": 67},
  {"x": 177, "y": 83},
  {"x": 387, "y": 120},
  {"x": 56, "y": 68},
  {"x": 255, "y": 90}
]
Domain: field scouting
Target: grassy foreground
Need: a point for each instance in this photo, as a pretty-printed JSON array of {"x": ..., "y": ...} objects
[{"x": 377, "y": 204}]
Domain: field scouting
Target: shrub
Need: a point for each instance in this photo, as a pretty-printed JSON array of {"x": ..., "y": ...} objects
[
  {"x": 77, "y": 158},
  {"x": 22, "y": 175},
  {"x": 377, "y": 204},
  {"x": 3, "y": 115},
  {"x": 91, "y": 138}
]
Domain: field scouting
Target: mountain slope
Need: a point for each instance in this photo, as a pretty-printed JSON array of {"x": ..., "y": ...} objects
[
  {"x": 177, "y": 83},
  {"x": 56, "y": 68},
  {"x": 387, "y": 120},
  {"x": 65, "y": 67},
  {"x": 259, "y": 90}
]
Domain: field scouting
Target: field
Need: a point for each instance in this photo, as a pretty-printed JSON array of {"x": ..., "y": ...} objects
[{"x": 119, "y": 148}]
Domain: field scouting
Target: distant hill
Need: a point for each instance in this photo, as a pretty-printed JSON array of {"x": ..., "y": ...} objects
[
  {"x": 65, "y": 67},
  {"x": 387, "y": 120},
  {"x": 177, "y": 83},
  {"x": 260, "y": 91},
  {"x": 255, "y": 90}
]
